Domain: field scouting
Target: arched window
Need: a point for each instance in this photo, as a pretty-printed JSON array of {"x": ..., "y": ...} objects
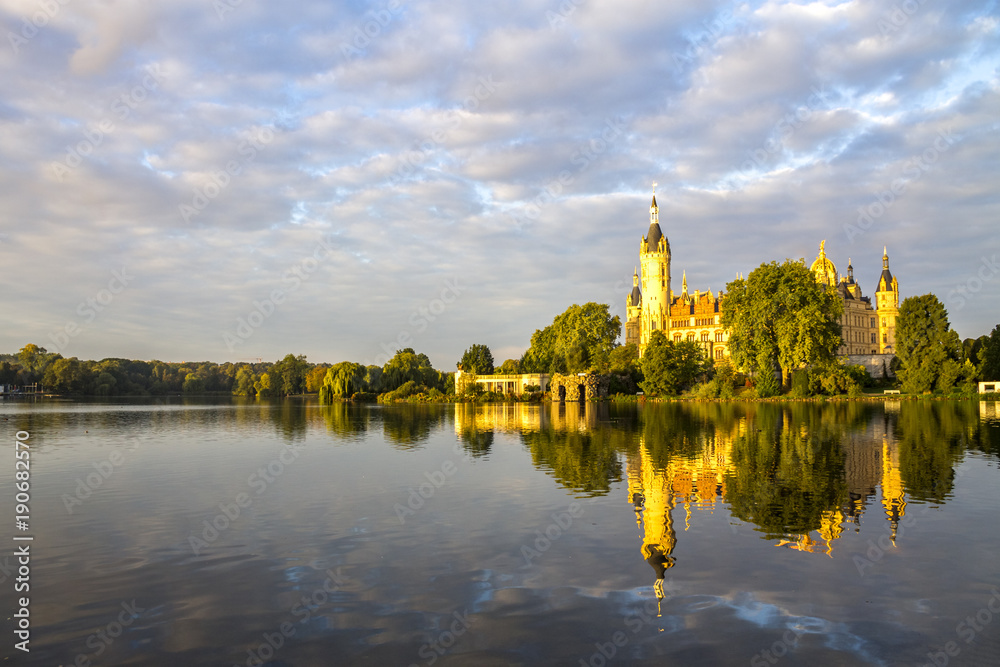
[
  {"x": 718, "y": 336},
  {"x": 677, "y": 338},
  {"x": 704, "y": 336},
  {"x": 690, "y": 337}
]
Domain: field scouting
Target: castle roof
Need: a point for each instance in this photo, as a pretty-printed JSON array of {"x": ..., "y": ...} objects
[{"x": 636, "y": 296}]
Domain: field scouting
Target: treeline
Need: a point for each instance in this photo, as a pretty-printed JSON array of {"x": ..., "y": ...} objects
[{"x": 407, "y": 373}]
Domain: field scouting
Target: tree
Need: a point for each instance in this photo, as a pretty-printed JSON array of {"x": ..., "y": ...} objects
[
  {"x": 780, "y": 316},
  {"x": 343, "y": 380},
  {"x": 314, "y": 378},
  {"x": 289, "y": 374},
  {"x": 989, "y": 357},
  {"x": 509, "y": 367},
  {"x": 405, "y": 366},
  {"x": 477, "y": 359},
  {"x": 579, "y": 339},
  {"x": 929, "y": 350},
  {"x": 262, "y": 386},
  {"x": 670, "y": 367},
  {"x": 193, "y": 384},
  {"x": 243, "y": 384}
]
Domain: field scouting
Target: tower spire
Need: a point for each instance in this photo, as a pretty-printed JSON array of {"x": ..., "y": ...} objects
[
  {"x": 885, "y": 257},
  {"x": 654, "y": 210},
  {"x": 684, "y": 283}
]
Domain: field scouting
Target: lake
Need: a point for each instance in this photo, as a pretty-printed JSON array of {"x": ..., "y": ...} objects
[{"x": 233, "y": 532}]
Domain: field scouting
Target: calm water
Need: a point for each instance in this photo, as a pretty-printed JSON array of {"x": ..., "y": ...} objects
[{"x": 698, "y": 534}]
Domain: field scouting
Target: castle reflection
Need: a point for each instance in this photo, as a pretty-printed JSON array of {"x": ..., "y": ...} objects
[{"x": 800, "y": 474}]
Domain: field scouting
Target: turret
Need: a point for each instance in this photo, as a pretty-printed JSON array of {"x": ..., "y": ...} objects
[
  {"x": 654, "y": 254},
  {"x": 887, "y": 304}
]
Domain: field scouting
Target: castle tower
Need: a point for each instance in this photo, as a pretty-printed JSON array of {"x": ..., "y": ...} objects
[
  {"x": 654, "y": 258},
  {"x": 887, "y": 305},
  {"x": 633, "y": 312}
]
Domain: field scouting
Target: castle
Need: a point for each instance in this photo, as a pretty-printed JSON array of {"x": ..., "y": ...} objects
[{"x": 652, "y": 304}]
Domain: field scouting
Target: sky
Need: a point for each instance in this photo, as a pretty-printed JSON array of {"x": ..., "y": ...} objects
[{"x": 236, "y": 179}]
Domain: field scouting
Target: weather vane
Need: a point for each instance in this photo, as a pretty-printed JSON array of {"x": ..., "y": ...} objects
[{"x": 654, "y": 187}]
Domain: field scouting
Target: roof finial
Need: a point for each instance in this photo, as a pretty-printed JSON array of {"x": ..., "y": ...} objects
[
  {"x": 885, "y": 257},
  {"x": 684, "y": 283}
]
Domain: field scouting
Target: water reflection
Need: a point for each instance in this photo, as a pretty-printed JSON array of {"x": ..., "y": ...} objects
[{"x": 800, "y": 474}]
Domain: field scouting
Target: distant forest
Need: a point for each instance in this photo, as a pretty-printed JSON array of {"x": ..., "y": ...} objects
[{"x": 126, "y": 377}]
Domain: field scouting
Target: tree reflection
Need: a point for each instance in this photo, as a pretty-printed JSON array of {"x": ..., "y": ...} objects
[
  {"x": 409, "y": 426},
  {"x": 932, "y": 437},
  {"x": 347, "y": 420}
]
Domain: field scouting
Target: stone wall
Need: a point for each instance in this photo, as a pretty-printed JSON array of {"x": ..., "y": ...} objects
[
  {"x": 872, "y": 363},
  {"x": 594, "y": 387}
]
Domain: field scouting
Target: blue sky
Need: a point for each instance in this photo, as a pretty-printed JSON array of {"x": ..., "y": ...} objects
[{"x": 220, "y": 181}]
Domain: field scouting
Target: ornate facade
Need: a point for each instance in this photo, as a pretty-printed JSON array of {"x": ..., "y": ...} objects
[
  {"x": 865, "y": 330},
  {"x": 691, "y": 317},
  {"x": 652, "y": 304}
]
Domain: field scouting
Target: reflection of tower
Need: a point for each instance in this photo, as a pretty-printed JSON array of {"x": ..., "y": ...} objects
[
  {"x": 652, "y": 494},
  {"x": 893, "y": 498}
]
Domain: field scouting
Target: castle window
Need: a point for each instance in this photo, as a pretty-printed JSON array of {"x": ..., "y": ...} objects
[
  {"x": 873, "y": 322},
  {"x": 704, "y": 336},
  {"x": 690, "y": 337},
  {"x": 873, "y": 337},
  {"x": 718, "y": 353},
  {"x": 677, "y": 338},
  {"x": 883, "y": 321},
  {"x": 885, "y": 339},
  {"x": 718, "y": 336}
]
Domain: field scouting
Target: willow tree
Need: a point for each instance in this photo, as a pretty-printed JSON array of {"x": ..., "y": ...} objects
[
  {"x": 343, "y": 380},
  {"x": 781, "y": 316}
]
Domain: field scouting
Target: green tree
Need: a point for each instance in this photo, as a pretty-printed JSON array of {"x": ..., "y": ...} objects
[
  {"x": 407, "y": 366},
  {"x": 477, "y": 359},
  {"x": 65, "y": 376},
  {"x": 509, "y": 367},
  {"x": 343, "y": 380},
  {"x": 670, "y": 367},
  {"x": 989, "y": 357},
  {"x": 243, "y": 385},
  {"x": 781, "y": 317},
  {"x": 928, "y": 348},
  {"x": 289, "y": 375},
  {"x": 193, "y": 384},
  {"x": 262, "y": 386},
  {"x": 579, "y": 339}
]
